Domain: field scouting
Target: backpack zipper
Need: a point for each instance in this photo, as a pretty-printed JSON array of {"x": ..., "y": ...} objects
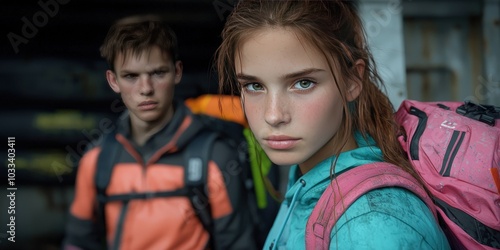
[
  {"x": 451, "y": 152},
  {"x": 415, "y": 140}
]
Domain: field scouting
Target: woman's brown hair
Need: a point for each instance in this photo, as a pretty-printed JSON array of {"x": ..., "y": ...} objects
[{"x": 334, "y": 28}]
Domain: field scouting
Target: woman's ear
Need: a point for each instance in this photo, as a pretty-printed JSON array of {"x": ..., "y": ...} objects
[
  {"x": 111, "y": 77},
  {"x": 357, "y": 85}
]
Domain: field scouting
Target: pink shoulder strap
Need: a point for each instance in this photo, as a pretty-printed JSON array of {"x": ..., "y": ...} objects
[{"x": 347, "y": 188}]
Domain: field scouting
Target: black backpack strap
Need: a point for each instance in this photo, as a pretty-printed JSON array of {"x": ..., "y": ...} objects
[
  {"x": 197, "y": 155},
  {"x": 105, "y": 163}
]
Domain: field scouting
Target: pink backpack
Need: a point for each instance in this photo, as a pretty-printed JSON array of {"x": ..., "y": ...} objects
[{"x": 455, "y": 147}]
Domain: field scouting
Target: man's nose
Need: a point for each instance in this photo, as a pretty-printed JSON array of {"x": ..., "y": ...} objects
[{"x": 146, "y": 85}]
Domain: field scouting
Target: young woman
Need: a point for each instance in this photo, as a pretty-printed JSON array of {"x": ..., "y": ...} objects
[{"x": 313, "y": 100}]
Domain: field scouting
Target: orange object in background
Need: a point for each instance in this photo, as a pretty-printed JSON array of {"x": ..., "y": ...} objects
[{"x": 225, "y": 107}]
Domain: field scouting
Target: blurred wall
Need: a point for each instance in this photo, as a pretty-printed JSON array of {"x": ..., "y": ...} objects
[{"x": 436, "y": 50}]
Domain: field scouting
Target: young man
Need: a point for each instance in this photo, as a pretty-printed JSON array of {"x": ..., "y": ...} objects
[{"x": 144, "y": 69}]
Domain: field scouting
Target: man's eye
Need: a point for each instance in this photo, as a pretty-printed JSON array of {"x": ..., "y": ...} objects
[
  {"x": 159, "y": 73},
  {"x": 129, "y": 76}
]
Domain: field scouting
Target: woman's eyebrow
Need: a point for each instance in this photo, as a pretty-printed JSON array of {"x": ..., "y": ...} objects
[
  {"x": 300, "y": 73},
  {"x": 244, "y": 77},
  {"x": 304, "y": 72}
]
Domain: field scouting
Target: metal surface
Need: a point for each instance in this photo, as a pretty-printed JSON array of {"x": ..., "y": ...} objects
[
  {"x": 452, "y": 52},
  {"x": 488, "y": 86},
  {"x": 436, "y": 50},
  {"x": 383, "y": 22}
]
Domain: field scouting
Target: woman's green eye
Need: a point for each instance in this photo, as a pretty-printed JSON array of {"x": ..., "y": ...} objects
[
  {"x": 253, "y": 86},
  {"x": 303, "y": 84}
]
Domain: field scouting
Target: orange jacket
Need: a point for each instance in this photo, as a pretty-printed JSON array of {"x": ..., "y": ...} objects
[{"x": 161, "y": 223}]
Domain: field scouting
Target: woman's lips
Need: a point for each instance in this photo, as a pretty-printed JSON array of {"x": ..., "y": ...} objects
[{"x": 281, "y": 142}]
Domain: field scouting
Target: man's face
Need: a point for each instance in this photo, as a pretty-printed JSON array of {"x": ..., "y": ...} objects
[{"x": 146, "y": 83}]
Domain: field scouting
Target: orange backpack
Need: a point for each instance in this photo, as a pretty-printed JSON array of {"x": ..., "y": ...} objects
[{"x": 221, "y": 106}]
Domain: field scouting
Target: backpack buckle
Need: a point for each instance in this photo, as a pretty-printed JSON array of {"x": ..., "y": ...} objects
[
  {"x": 149, "y": 195},
  {"x": 484, "y": 113}
]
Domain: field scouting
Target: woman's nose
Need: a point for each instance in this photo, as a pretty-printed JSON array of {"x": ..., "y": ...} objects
[{"x": 276, "y": 110}]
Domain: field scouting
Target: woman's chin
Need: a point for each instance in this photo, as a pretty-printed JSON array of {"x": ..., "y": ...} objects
[{"x": 282, "y": 159}]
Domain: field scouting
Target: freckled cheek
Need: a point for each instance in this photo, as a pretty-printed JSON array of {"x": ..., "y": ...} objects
[
  {"x": 127, "y": 99},
  {"x": 161, "y": 87},
  {"x": 127, "y": 90},
  {"x": 312, "y": 111},
  {"x": 132, "y": 90},
  {"x": 253, "y": 112},
  {"x": 165, "y": 87},
  {"x": 323, "y": 114}
]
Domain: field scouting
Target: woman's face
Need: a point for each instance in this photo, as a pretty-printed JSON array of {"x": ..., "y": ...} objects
[{"x": 290, "y": 98}]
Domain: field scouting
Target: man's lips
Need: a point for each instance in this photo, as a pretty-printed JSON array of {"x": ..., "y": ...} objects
[
  {"x": 148, "y": 105},
  {"x": 281, "y": 142}
]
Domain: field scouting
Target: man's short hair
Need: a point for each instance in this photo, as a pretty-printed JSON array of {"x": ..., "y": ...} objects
[{"x": 134, "y": 35}]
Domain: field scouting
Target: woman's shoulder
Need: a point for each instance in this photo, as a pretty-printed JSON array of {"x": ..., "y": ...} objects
[
  {"x": 390, "y": 218},
  {"x": 396, "y": 202}
]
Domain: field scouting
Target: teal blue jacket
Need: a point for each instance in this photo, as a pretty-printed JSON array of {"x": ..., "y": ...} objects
[{"x": 387, "y": 218}]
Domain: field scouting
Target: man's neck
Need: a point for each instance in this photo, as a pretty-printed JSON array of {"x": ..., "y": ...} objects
[
  {"x": 141, "y": 134},
  {"x": 142, "y": 131}
]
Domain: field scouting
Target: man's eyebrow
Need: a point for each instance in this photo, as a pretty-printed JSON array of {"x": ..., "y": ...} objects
[
  {"x": 159, "y": 68},
  {"x": 126, "y": 71},
  {"x": 293, "y": 75}
]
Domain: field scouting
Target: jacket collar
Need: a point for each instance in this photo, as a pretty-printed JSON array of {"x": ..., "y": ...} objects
[
  {"x": 318, "y": 177},
  {"x": 177, "y": 132}
]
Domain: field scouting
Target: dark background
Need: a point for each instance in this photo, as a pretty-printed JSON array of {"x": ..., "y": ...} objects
[
  {"x": 52, "y": 80},
  {"x": 55, "y": 96},
  {"x": 75, "y": 30}
]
